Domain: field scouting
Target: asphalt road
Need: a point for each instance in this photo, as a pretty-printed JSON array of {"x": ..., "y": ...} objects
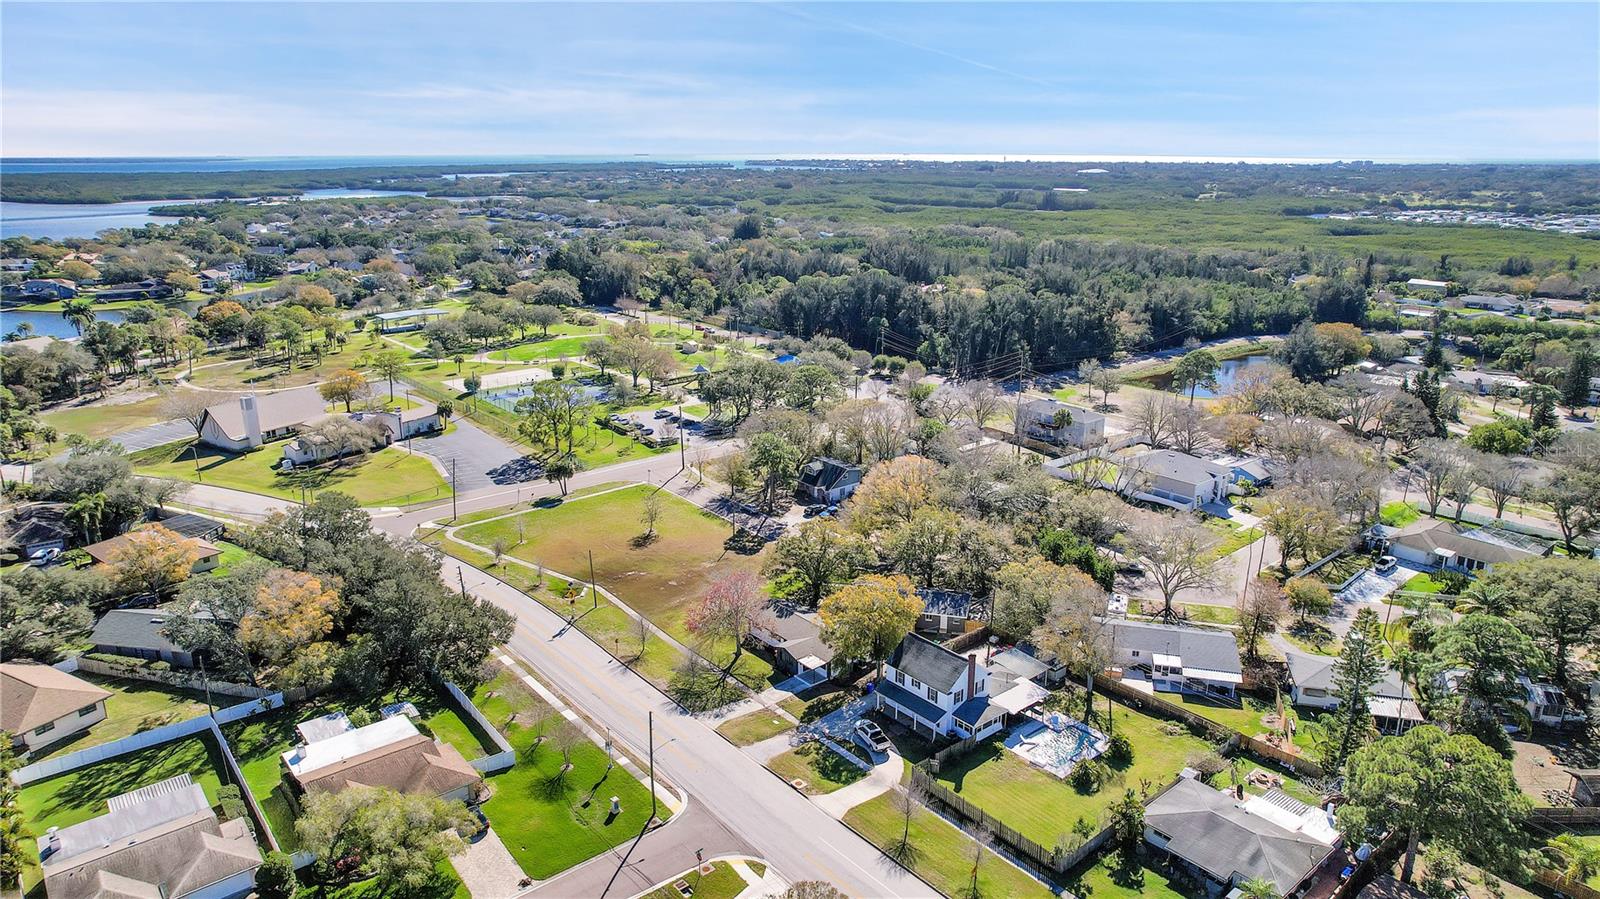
[{"x": 801, "y": 840}]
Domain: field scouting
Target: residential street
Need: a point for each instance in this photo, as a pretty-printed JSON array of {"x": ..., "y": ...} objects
[{"x": 748, "y": 800}]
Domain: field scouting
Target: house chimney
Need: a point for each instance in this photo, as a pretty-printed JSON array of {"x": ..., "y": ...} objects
[
  {"x": 252, "y": 419},
  {"x": 972, "y": 674}
]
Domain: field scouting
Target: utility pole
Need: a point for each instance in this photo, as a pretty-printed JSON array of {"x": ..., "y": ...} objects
[
  {"x": 453, "y": 492},
  {"x": 592, "y": 593},
  {"x": 462, "y": 573},
  {"x": 683, "y": 442},
  {"x": 1022, "y": 386},
  {"x": 652, "y": 724}
]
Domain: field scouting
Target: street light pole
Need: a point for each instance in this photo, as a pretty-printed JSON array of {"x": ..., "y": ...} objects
[
  {"x": 593, "y": 594},
  {"x": 453, "y": 491},
  {"x": 652, "y": 723}
]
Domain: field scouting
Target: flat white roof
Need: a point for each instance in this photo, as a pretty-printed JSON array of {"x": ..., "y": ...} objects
[
  {"x": 1225, "y": 677},
  {"x": 322, "y": 753}
]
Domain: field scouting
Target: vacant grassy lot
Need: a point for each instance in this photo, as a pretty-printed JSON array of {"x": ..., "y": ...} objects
[
  {"x": 660, "y": 577},
  {"x": 1398, "y": 514},
  {"x": 104, "y": 419},
  {"x": 940, "y": 853},
  {"x": 753, "y": 727},
  {"x": 389, "y": 477},
  {"x": 1043, "y": 807},
  {"x": 551, "y": 821},
  {"x": 821, "y": 768},
  {"x": 134, "y": 706}
]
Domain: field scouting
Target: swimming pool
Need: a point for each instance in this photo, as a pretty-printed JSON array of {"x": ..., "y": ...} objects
[
  {"x": 506, "y": 397},
  {"x": 1056, "y": 744}
]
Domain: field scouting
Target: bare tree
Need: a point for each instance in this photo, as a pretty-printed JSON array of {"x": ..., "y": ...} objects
[
  {"x": 1176, "y": 552},
  {"x": 1189, "y": 432},
  {"x": 1260, "y": 614},
  {"x": 189, "y": 406},
  {"x": 1154, "y": 416},
  {"x": 1438, "y": 467},
  {"x": 650, "y": 513},
  {"x": 906, "y": 806},
  {"x": 981, "y": 400},
  {"x": 1075, "y": 631},
  {"x": 566, "y": 738},
  {"x": 980, "y": 848}
]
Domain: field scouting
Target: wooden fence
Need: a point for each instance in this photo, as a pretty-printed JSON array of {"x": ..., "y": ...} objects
[
  {"x": 1142, "y": 700},
  {"x": 960, "y": 643},
  {"x": 1565, "y": 818},
  {"x": 1041, "y": 862},
  {"x": 1565, "y": 885}
]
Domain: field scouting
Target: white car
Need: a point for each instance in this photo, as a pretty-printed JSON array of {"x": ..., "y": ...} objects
[
  {"x": 872, "y": 736},
  {"x": 43, "y": 557},
  {"x": 1386, "y": 564}
]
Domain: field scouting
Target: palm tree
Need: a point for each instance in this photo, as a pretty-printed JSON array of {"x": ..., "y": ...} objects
[
  {"x": 1259, "y": 888},
  {"x": 88, "y": 513},
  {"x": 1582, "y": 860},
  {"x": 79, "y": 313},
  {"x": 1482, "y": 597}
]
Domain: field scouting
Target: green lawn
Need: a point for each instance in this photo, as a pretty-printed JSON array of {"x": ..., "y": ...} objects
[
  {"x": 551, "y": 822},
  {"x": 258, "y": 744},
  {"x": 1342, "y": 569},
  {"x": 1243, "y": 714},
  {"x": 1422, "y": 583},
  {"x": 660, "y": 578},
  {"x": 821, "y": 768},
  {"x": 104, "y": 419},
  {"x": 1232, "y": 537},
  {"x": 232, "y": 554},
  {"x": 77, "y": 796},
  {"x": 1103, "y": 876},
  {"x": 555, "y": 348},
  {"x": 607, "y": 624},
  {"x": 940, "y": 853},
  {"x": 445, "y": 885},
  {"x": 753, "y": 727},
  {"x": 722, "y": 883},
  {"x": 134, "y": 706},
  {"x": 389, "y": 477},
  {"x": 1042, "y": 807},
  {"x": 1398, "y": 514}
]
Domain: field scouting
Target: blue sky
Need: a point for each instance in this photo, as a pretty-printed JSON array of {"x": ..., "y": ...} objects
[{"x": 1316, "y": 80}]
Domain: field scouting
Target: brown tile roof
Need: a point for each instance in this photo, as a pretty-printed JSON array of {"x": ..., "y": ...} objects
[
  {"x": 31, "y": 695},
  {"x": 415, "y": 764},
  {"x": 106, "y": 550},
  {"x": 169, "y": 861}
]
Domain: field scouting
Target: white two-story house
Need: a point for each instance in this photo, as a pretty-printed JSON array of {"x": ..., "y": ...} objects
[
  {"x": 936, "y": 692},
  {"x": 1062, "y": 425}
]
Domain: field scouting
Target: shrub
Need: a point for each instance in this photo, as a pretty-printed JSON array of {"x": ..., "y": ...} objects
[
  {"x": 359, "y": 717},
  {"x": 1090, "y": 776},
  {"x": 558, "y": 371},
  {"x": 232, "y": 803},
  {"x": 1452, "y": 582},
  {"x": 1120, "y": 751},
  {"x": 1209, "y": 764},
  {"x": 275, "y": 878}
]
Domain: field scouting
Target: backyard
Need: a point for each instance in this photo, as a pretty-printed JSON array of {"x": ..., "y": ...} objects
[
  {"x": 660, "y": 577},
  {"x": 77, "y": 796},
  {"x": 1042, "y": 807},
  {"x": 1105, "y": 876},
  {"x": 389, "y": 477},
  {"x": 259, "y": 743},
  {"x": 134, "y": 706}
]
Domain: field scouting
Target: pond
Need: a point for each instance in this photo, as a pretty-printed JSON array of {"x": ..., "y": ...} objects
[
  {"x": 1227, "y": 373},
  {"x": 49, "y": 324}
]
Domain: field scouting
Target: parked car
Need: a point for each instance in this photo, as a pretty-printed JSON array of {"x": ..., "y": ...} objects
[
  {"x": 814, "y": 510},
  {"x": 1386, "y": 564},
  {"x": 43, "y": 557},
  {"x": 871, "y": 736},
  {"x": 662, "y": 413}
]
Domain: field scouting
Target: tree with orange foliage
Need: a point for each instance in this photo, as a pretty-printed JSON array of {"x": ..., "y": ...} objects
[
  {"x": 152, "y": 560},
  {"x": 730, "y": 607}
]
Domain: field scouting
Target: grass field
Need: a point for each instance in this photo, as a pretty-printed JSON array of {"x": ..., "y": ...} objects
[
  {"x": 389, "y": 477},
  {"x": 753, "y": 727},
  {"x": 1422, "y": 583},
  {"x": 550, "y": 821},
  {"x": 660, "y": 578},
  {"x": 722, "y": 883},
  {"x": 1042, "y": 807},
  {"x": 822, "y": 769},
  {"x": 940, "y": 853},
  {"x": 1231, "y": 536},
  {"x": 555, "y": 348},
  {"x": 104, "y": 419},
  {"x": 1398, "y": 514},
  {"x": 134, "y": 706}
]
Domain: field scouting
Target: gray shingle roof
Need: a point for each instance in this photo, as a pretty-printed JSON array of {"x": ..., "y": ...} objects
[
  {"x": 1178, "y": 466},
  {"x": 284, "y": 409},
  {"x": 910, "y": 701},
  {"x": 134, "y": 629},
  {"x": 1316, "y": 672},
  {"x": 1207, "y": 828},
  {"x": 823, "y": 473},
  {"x": 1212, "y": 650},
  {"x": 928, "y": 662}
]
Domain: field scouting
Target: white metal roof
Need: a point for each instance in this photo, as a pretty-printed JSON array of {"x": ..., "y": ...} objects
[{"x": 322, "y": 753}]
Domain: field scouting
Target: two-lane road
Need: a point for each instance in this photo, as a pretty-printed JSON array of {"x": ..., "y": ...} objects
[{"x": 798, "y": 838}]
